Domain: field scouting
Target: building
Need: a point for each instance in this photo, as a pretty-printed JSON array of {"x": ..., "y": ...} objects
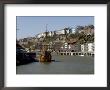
[
  {"x": 82, "y": 48},
  {"x": 64, "y": 31},
  {"x": 70, "y": 47},
  {"x": 87, "y": 47},
  {"x": 41, "y": 35},
  {"x": 73, "y": 31},
  {"x": 90, "y": 47},
  {"x": 50, "y": 33},
  {"x": 59, "y": 32}
]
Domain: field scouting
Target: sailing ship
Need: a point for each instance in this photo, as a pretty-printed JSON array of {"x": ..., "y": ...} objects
[{"x": 45, "y": 55}]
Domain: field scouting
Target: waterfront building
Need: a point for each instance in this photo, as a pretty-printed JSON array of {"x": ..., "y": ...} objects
[
  {"x": 77, "y": 49},
  {"x": 87, "y": 47},
  {"x": 84, "y": 47},
  {"x": 71, "y": 47},
  {"x": 90, "y": 47}
]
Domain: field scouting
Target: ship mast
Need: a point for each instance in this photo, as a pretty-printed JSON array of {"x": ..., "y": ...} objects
[
  {"x": 45, "y": 39},
  {"x": 45, "y": 55},
  {"x": 46, "y": 31}
]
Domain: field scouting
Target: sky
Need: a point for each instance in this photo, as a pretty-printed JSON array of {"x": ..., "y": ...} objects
[{"x": 29, "y": 26}]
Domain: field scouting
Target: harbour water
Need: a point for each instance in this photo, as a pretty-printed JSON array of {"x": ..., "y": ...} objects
[{"x": 61, "y": 65}]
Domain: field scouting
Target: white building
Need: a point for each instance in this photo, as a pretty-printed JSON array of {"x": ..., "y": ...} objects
[
  {"x": 51, "y": 33},
  {"x": 73, "y": 30},
  {"x": 68, "y": 31},
  {"x": 70, "y": 47},
  {"x": 66, "y": 45},
  {"x": 87, "y": 47},
  {"x": 60, "y": 32},
  {"x": 82, "y": 48},
  {"x": 90, "y": 47},
  {"x": 41, "y": 35}
]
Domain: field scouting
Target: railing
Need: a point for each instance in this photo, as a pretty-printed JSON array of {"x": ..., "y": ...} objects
[{"x": 76, "y": 53}]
